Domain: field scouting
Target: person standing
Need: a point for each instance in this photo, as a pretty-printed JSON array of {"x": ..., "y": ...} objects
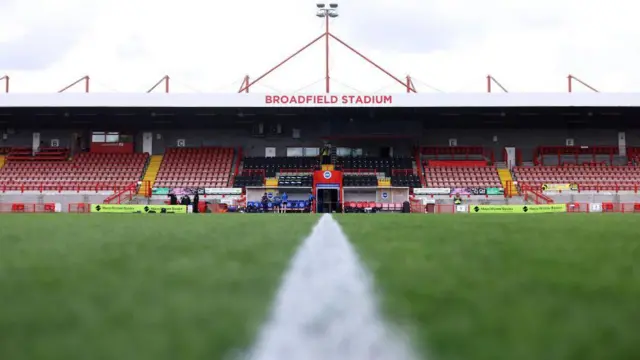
[
  {"x": 285, "y": 201},
  {"x": 277, "y": 203}
]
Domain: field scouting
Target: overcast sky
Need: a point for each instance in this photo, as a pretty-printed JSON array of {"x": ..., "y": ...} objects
[{"x": 208, "y": 46}]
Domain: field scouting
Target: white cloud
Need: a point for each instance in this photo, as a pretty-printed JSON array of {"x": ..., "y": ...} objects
[{"x": 127, "y": 45}]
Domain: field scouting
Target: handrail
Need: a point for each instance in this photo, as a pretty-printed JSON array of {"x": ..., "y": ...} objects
[
  {"x": 131, "y": 189},
  {"x": 537, "y": 195}
]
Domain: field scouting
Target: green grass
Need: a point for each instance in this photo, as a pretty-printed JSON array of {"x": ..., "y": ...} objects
[
  {"x": 468, "y": 287},
  {"x": 490, "y": 287},
  {"x": 123, "y": 287}
]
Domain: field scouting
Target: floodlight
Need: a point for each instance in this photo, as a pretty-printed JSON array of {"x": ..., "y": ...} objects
[
  {"x": 320, "y": 6},
  {"x": 320, "y": 14},
  {"x": 333, "y": 6},
  {"x": 333, "y": 14}
]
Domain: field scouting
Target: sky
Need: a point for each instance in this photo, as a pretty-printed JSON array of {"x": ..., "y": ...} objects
[{"x": 209, "y": 46}]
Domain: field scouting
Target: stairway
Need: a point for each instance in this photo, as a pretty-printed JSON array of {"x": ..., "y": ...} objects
[
  {"x": 1, "y": 161},
  {"x": 151, "y": 173},
  {"x": 505, "y": 176}
]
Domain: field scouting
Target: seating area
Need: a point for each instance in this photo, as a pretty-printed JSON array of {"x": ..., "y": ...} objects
[
  {"x": 370, "y": 206},
  {"x": 249, "y": 178},
  {"x": 87, "y": 171},
  {"x": 207, "y": 167},
  {"x": 359, "y": 180},
  {"x": 462, "y": 176},
  {"x": 457, "y": 153},
  {"x": 586, "y": 176},
  {"x": 580, "y": 155},
  {"x": 295, "y": 180},
  {"x": 274, "y": 165},
  {"x": 43, "y": 154},
  {"x": 405, "y": 180},
  {"x": 374, "y": 164}
]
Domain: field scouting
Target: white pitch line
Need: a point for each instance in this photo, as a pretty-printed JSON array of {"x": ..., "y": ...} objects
[{"x": 326, "y": 309}]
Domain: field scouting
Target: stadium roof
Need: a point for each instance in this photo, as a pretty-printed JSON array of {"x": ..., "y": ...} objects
[{"x": 253, "y": 100}]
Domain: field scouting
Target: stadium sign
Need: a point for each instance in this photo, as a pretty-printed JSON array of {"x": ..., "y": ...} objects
[
  {"x": 255, "y": 100},
  {"x": 517, "y": 209},
  {"x": 559, "y": 187},
  {"x": 461, "y": 191},
  {"x": 138, "y": 209},
  {"x": 432, "y": 191},
  {"x": 223, "y": 191}
]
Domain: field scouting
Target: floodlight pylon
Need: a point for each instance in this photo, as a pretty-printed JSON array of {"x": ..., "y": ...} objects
[
  {"x": 5, "y": 78},
  {"x": 408, "y": 85},
  {"x": 86, "y": 80},
  {"x": 571, "y": 79},
  {"x": 165, "y": 79},
  {"x": 491, "y": 81}
]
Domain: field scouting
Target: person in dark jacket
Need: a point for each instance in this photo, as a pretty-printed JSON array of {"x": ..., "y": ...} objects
[
  {"x": 196, "y": 203},
  {"x": 265, "y": 202},
  {"x": 173, "y": 199}
]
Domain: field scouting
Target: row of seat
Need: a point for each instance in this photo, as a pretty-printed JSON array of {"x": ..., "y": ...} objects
[
  {"x": 377, "y": 164},
  {"x": 43, "y": 154},
  {"x": 196, "y": 167},
  {"x": 274, "y": 165},
  {"x": 453, "y": 176},
  {"x": 581, "y": 175},
  {"x": 88, "y": 168},
  {"x": 365, "y": 206}
]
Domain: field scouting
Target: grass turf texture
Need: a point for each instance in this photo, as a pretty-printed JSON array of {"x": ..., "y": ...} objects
[
  {"x": 492, "y": 287},
  {"x": 191, "y": 287},
  {"x": 138, "y": 287}
]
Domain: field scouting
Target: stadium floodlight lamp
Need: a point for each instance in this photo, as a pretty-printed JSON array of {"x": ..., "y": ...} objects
[
  {"x": 333, "y": 14},
  {"x": 333, "y": 5},
  {"x": 321, "y": 14},
  {"x": 320, "y": 5}
]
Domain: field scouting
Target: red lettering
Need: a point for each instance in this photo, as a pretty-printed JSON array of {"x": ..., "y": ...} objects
[{"x": 329, "y": 99}]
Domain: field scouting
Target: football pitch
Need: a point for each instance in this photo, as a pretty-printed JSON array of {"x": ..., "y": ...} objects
[{"x": 468, "y": 287}]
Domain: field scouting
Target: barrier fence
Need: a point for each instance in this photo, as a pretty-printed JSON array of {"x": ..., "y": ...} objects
[
  {"x": 29, "y": 208},
  {"x": 77, "y": 187},
  {"x": 416, "y": 206}
]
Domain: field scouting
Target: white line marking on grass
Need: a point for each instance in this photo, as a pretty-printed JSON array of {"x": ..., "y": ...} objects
[{"x": 326, "y": 309}]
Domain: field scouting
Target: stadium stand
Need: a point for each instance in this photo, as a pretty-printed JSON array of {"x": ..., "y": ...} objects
[
  {"x": 359, "y": 180},
  {"x": 375, "y": 164},
  {"x": 273, "y": 165},
  {"x": 462, "y": 176},
  {"x": 371, "y": 206},
  {"x": 585, "y": 176},
  {"x": 86, "y": 171},
  {"x": 195, "y": 167},
  {"x": 249, "y": 178},
  {"x": 579, "y": 155},
  {"x": 405, "y": 179},
  {"x": 295, "y": 180}
]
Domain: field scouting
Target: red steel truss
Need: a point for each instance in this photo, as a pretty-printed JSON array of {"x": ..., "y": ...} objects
[
  {"x": 165, "y": 80},
  {"x": 571, "y": 79},
  {"x": 491, "y": 81},
  {"x": 86, "y": 80},
  {"x": 6, "y": 83},
  {"x": 327, "y": 35}
]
